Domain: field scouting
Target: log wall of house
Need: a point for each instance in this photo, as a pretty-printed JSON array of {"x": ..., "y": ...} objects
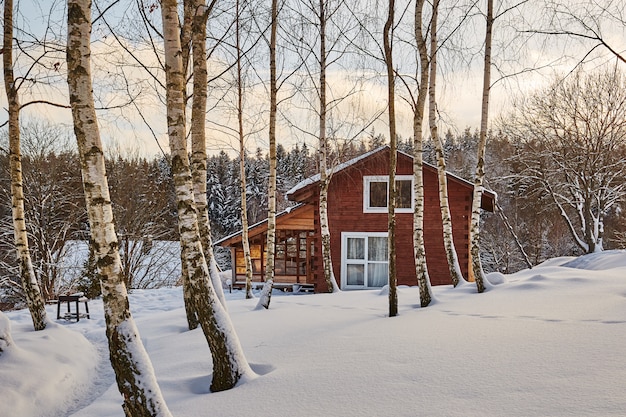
[{"x": 345, "y": 208}]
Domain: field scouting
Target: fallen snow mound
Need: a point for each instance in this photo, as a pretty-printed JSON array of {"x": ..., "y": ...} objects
[
  {"x": 599, "y": 261},
  {"x": 57, "y": 377}
]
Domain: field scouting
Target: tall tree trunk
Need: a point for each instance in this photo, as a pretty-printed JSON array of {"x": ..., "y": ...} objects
[
  {"x": 419, "y": 248},
  {"x": 393, "y": 156},
  {"x": 34, "y": 299},
  {"x": 327, "y": 263},
  {"x": 185, "y": 41},
  {"x": 133, "y": 369},
  {"x": 198, "y": 139},
  {"x": 477, "y": 267},
  {"x": 229, "y": 363},
  {"x": 266, "y": 294},
  {"x": 453, "y": 261},
  {"x": 245, "y": 241}
]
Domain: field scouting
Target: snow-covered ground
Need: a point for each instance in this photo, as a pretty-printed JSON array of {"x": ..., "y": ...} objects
[{"x": 550, "y": 341}]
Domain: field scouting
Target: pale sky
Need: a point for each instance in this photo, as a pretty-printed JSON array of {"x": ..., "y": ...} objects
[{"x": 458, "y": 89}]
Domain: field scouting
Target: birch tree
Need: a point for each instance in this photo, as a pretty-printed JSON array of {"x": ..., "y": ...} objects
[
  {"x": 418, "y": 104},
  {"x": 477, "y": 268},
  {"x": 34, "y": 298},
  {"x": 133, "y": 369},
  {"x": 200, "y": 14},
  {"x": 315, "y": 46},
  {"x": 194, "y": 53},
  {"x": 453, "y": 262},
  {"x": 229, "y": 363},
  {"x": 323, "y": 37},
  {"x": 393, "y": 155},
  {"x": 327, "y": 264},
  {"x": 242, "y": 154},
  {"x": 266, "y": 293}
]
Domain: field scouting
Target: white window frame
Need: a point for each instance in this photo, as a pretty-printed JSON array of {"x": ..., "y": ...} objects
[
  {"x": 345, "y": 261},
  {"x": 368, "y": 179}
]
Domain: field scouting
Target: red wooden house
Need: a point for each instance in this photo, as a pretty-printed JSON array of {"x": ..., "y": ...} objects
[{"x": 357, "y": 211}]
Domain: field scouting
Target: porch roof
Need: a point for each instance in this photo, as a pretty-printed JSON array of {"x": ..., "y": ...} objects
[{"x": 298, "y": 217}]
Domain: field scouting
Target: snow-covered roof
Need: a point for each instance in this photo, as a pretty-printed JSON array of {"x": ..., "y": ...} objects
[{"x": 315, "y": 178}]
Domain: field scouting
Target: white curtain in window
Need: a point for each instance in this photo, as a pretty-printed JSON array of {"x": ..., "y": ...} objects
[
  {"x": 366, "y": 260},
  {"x": 377, "y": 268},
  {"x": 356, "y": 248},
  {"x": 356, "y": 274},
  {"x": 377, "y": 249},
  {"x": 377, "y": 274}
]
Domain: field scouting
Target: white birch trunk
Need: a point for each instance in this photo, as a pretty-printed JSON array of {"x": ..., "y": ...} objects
[
  {"x": 419, "y": 248},
  {"x": 327, "y": 263},
  {"x": 453, "y": 262},
  {"x": 266, "y": 293},
  {"x": 133, "y": 369},
  {"x": 245, "y": 241},
  {"x": 34, "y": 299},
  {"x": 391, "y": 217},
  {"x": 477, "y": 267},
  {"x": 198, "y": 140},
  {"x": 185, "y": 40},
  {"x": 229, "y": 363}
]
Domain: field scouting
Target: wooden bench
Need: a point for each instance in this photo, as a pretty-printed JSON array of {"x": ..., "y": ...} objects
[{"x": 69, "y": 299}]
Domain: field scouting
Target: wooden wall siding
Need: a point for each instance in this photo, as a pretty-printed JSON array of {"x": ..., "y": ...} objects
[
  {"x": 346, "y": 214},
  {"x": 302, "y": 220}
]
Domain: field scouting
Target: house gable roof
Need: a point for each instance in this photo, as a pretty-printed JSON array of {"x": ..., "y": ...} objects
[{"x": 304, "y": 188}]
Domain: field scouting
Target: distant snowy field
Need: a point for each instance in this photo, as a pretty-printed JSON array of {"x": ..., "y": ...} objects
[{"x": 550, "y": 341}]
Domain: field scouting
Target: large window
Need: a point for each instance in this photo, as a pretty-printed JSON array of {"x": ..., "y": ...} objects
[
  {"x": 255, "y": 255},
  {"x": 376, "y": 194},
  {"x": 365, "y": 261},
  {"x": 290, "y": 256}
]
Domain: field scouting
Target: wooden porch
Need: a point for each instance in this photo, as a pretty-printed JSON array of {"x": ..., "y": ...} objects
[{"x": 294, "y": 253}]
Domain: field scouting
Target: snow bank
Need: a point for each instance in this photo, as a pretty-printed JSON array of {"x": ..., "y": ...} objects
[
  {"x": 599, "y": 260},
  {"x": 45, "y": 372},
  {"x": 6, "y": 341},
  {"x": 544, "y": 342}
]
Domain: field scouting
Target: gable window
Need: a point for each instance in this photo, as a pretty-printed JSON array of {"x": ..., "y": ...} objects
[
  {"x": 365, "y": 260},
  {"x": 376, "y": 193}
]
